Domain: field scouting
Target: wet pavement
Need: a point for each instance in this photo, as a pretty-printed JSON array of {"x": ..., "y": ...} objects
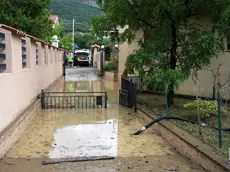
[{"x": 92, "y": 132}]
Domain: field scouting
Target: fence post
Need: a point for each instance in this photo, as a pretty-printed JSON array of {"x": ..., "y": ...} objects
[
  {"x": 64, "y": 70},
  {"x": 213, "y": 92},
  {"x": 198, "y": 111},
  {"x": 219, "y": 120},
  {"x": 106, "y": 98},
  {"x": 43, "y": 99},
  {"x": 135, "y": 98},
  {"x": 166, "y": 95}
]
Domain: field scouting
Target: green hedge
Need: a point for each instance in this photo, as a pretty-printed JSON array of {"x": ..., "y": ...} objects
[{"x": 111, "y": 66}]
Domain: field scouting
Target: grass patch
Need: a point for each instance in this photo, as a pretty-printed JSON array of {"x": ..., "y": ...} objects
[{"x": 208, "y": 135}]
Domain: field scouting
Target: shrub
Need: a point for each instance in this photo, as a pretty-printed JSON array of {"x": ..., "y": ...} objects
[
  {"x": 111, "y": 66},
  {"x": 207, "y": 108}
]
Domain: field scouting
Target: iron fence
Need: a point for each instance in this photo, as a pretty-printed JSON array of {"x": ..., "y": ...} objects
[
  {"x": 69, "y": 100},
  {"x": 127, "y": 93},
  {"x": 137, "y": 80},
  {"x": 124, "y": 97}
]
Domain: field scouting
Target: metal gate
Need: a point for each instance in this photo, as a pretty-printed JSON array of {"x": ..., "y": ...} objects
[
  {"x": 78, "y": 100},
  {"x": 127, "y": 93},
  {"x": 101, "y": 63}
]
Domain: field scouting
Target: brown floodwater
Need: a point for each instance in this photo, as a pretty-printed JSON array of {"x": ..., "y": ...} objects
[
  {"x": 87, "y": 132},
  {"x": 93, "y": 132}
]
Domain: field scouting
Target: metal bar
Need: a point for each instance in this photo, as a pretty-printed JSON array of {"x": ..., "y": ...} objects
[
  {"x": 93, "y": 102},
  {"x": 55, "y": 102},
  {"x": 46, "y": 99},
  {"x": 66, "y": 102},
  {"x": 62, "y": 102},
  {"x": 74, "y": 92},
  {"x": 74, "y": 101},
  {"x": 69, "y": 102},
  {"x": 135, "y": 101},
  {"x": 106, "y": 98},
  {"x": 51, "y": 104},
  {"x": 43, "y": 99},
  {"x": 78, "y": 102},
  {"x": 219, "y": 120}
]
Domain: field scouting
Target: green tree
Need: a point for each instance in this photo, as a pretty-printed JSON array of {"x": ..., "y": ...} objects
[
  {"x": 65, "y": 39},
  {"x": 176, "y": 42},
  {"x": 83, "y": 40},
  {"x": 65, "y": 42},
  {"x": 30, "y": 16}
]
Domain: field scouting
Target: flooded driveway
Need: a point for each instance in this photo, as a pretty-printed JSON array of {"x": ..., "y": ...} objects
[{"x": 73, "y": 133}]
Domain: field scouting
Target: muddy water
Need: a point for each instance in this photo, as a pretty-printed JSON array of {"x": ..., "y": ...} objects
[
  {"x": 87, "y": 132},
  {"x": 93, "y": 132}
]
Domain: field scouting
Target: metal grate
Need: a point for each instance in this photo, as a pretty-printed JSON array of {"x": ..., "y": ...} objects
[
  {"x": 127, "y": 93},
  {"x": 24, "y": 56},
  {"x": 69, "y": 100}
]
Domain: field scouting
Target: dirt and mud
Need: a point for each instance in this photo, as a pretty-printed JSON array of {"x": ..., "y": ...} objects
[{"x": 92, "y": 132}]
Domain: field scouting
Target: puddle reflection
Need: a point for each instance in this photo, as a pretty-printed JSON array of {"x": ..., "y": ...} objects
[{"x": 85, "y": 140}]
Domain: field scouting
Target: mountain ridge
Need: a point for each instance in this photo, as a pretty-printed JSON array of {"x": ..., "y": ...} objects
[{"x": 80, "y": 10}]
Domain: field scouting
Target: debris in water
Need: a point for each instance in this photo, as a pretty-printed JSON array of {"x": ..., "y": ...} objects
[{"x": 76, "y": 159}]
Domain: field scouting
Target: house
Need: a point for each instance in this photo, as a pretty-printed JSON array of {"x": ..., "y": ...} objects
[
  {"x": 55, "y": 19},
  {"x": 202, "y": 86}
]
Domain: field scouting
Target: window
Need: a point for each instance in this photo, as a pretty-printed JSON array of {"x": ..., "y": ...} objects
[
  {"x": 45, "y": 55},
  {"x": 23, "y": 45},
  {"x": 51, "y": 54},
  {"x": 37, "y": 61},
  {"x": 2, "y": 53}
]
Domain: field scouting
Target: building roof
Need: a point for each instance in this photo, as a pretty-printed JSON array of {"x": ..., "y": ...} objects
[
  {"x": 55, "y": 19},
  {"x": 22, "y": 34}
]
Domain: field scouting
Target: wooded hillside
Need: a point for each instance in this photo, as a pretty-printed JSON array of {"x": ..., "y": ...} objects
[{"x": 80, "y": 10}]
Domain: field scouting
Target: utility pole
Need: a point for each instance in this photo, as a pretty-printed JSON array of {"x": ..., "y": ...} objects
[{"x": 73, "y": 37}]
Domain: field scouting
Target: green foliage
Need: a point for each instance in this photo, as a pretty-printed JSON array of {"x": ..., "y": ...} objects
[
  {"x": 206, "y": 108},
  {"x": 65, "y": 39},
  {"x": 176, "y": 43},
  {"x": 58, "y": 30},
  {"x": 65, "y": 42},
  {"x": 100, "y": 26},
  {"x": 152, "y": 60},
  {"x": 111, "y": 66},
  {"x": 67, "y": 10},
  {"x": 30, "y": 16},
  {"x": 83, "y": 40}
]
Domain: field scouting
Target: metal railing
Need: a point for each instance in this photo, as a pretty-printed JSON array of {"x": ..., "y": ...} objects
[
  {"x": 127, "y": 93},
  {"x": 70, "y": 100},
  {"x": 137, "y": 80}
]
